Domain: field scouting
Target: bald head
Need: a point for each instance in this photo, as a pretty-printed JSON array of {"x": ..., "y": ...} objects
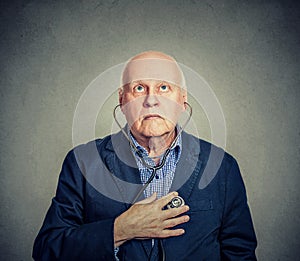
[
  {"x": 153, "y": 65},
  {"x": 152, "y": 55}
]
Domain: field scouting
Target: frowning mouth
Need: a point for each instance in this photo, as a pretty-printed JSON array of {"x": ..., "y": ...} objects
[{"x": 152, "y": 117}]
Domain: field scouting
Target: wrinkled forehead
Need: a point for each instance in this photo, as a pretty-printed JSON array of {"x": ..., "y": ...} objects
[{"x": 153, "y": 69}]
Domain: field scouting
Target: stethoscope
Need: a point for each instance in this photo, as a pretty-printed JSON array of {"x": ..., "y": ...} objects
[{"x": 177, "y": 201}]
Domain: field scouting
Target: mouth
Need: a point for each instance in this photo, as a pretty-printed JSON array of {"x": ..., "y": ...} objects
[{"x": 152, "y": 117}]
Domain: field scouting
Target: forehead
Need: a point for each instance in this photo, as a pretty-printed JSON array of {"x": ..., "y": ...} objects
[{"x": 161, "y": 70}]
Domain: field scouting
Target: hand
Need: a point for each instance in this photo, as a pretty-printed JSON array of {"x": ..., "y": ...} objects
[{"x": 147, "y": 219}]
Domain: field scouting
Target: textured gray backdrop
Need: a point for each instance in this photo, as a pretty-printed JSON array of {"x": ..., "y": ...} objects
[{"x": 248, "y": 51}]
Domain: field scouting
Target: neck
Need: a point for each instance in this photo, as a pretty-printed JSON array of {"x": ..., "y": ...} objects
[{"x": 156, "y": 145}]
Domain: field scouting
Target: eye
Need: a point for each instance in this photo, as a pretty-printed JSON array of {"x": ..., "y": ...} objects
[
  {"x": 164, "y": 88},
  {"x": 139, "y": 88}
]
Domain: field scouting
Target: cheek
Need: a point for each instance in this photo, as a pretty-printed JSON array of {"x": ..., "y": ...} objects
[
  {"x": 171, "y": 109},
  {"x": 132, "y": 110}
]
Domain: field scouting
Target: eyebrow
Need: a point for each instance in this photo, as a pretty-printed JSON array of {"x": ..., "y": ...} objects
[
  {"x": 159, "y": 82},
  {"x": 136, "y": 82}
]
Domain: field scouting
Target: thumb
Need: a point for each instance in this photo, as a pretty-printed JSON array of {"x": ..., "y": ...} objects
[{"x": 148, "y": 200}]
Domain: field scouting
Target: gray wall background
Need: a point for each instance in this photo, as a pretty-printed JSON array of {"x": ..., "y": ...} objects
[{"x": 248, "y": 51}]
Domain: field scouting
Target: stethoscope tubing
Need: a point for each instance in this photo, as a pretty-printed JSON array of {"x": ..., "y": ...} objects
[
  {"x": 135, "y": 148},
  {"x": 154, "y": 169}
]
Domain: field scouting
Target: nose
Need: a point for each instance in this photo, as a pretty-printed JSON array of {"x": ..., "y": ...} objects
[{"x": 151, "y": 100}]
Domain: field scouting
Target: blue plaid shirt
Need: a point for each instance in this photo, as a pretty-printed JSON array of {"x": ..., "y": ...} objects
[{"x": 164, "y": 177}]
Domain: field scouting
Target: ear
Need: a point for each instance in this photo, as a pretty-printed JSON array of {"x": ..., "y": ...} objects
[
  {"x": 184, "y": 96},
  {"x": 121, "y": 91},
  {"x": 120, "y": 96}
]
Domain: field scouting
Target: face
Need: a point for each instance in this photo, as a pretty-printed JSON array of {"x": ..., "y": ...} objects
[{"x": 152, "y": 106}]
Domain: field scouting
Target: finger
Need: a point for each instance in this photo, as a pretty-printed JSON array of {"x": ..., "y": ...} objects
[
  {"x": 169, "y": 223},
  {"x": 148, "y": 200},
  {"x": 171, "y": 233},
  {"x": 173, "y": 212},
  {"x": 163, "y": 201}
]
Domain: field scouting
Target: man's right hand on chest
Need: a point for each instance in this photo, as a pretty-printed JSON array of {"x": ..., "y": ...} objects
[{"x": 148, "y": 219}]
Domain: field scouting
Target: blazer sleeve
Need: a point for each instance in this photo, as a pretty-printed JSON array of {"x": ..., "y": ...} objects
[
  {"x": 64, "y": 234},
  {"x": 237, "y": 236}
]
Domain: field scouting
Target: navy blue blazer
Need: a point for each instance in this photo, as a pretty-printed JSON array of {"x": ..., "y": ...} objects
[{"x": 97, "y": 182}]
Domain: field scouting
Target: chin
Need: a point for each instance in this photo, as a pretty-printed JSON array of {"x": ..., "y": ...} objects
[
  {"x": 153, "y": 129},
  {"x": 156, "y": 131}
]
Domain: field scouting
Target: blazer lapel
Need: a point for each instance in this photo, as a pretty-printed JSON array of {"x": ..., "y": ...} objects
[
  {"x": 188, "y": 167},
  {"x": 122, "y": 164}
]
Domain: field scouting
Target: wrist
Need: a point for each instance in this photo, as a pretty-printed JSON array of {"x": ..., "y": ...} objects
[{"x": 120, "y": 236}]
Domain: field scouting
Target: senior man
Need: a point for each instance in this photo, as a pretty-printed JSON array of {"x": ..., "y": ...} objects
[{"x": 84, "y": 223}]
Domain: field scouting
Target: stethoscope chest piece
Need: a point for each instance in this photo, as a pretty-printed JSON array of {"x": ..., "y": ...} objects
[{"x": 176, "y": 202}]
